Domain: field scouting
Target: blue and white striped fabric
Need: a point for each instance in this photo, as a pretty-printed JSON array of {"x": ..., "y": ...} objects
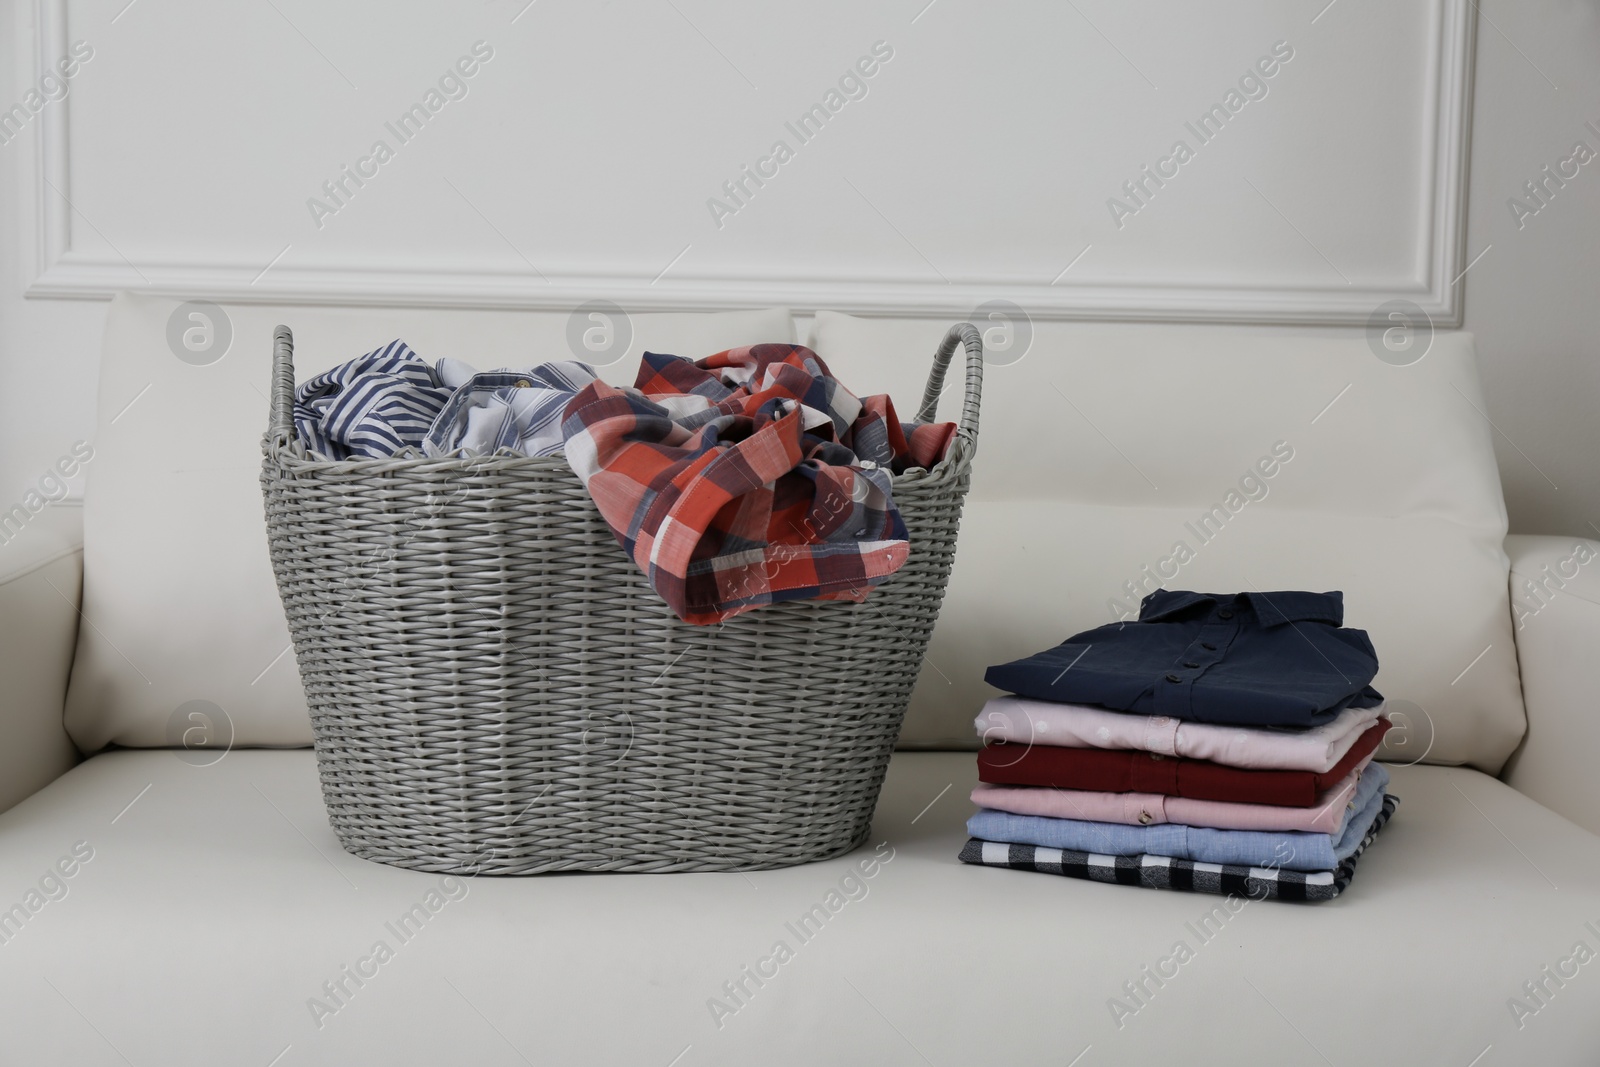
[
  {"x": 372, "y": 406},
  {"x": 519, "y": 411},
  {"x": 389, "y": 400}
]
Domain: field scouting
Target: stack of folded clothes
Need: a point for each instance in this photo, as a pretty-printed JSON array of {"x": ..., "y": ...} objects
[{"x": 1221, "y": 744}]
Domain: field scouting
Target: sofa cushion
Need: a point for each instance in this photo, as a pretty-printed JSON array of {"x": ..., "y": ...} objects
[
  {"x": 179, "y": 601},
  {"x": 222, "y": 888},
  {"x": 1116, "y": 458}
]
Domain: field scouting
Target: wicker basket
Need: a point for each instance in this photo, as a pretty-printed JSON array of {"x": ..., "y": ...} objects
[{"x": 494, "y": 687}]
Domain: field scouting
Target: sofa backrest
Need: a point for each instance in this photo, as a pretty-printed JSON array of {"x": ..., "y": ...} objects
[
  {"x": 1104, "y": 447},
  {"x": 1114, "y": 458}
]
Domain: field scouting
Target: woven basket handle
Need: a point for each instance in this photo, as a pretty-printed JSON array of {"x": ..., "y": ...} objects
[
  {"x": 966, "y": 334},
  {"x": 282, "y": 418}
]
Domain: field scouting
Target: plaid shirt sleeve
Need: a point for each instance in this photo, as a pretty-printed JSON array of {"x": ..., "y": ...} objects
[{"x": 752, "y": 499}]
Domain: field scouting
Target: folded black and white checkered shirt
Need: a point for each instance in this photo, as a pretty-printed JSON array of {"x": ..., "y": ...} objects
[{"x": 1164, "y": 872}]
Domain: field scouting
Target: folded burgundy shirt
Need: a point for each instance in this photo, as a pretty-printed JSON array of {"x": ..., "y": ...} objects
[{"x": 1114, "y": 771}]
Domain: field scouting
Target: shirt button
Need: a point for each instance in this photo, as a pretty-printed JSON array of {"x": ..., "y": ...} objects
[
  {"x": 523, "y": 383},
  {"x": 1224, "y": 614},
  {"x": 1145, "y": 818},
  {"x": 1191, "y": 664},
  {"x": 1174, "y": 678},
  {"x": 1208, "y": 646}
]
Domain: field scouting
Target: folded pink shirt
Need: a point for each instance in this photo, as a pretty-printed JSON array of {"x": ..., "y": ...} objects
[
  {"x": 1040, "y": 722},
  {"x": 1142, "y": 809}
]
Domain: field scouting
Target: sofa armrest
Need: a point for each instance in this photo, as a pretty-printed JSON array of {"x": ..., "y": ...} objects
[
  {"x": 1555, "y": 607},
  {"x": 41, "y": 582}
]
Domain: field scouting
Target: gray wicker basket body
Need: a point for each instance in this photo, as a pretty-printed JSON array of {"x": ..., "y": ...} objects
[{"x": 495, "y": 688}]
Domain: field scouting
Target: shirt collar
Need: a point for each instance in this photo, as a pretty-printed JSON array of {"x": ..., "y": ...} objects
[{"x": 1272, "y": 609}]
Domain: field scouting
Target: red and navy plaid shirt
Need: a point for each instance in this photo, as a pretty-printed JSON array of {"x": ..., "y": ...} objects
[{"x": 748, "y": 478}]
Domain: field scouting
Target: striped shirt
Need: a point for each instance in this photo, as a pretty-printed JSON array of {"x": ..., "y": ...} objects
[
  {"x": 389, "y": 400},
  {"x": 515, "y": 411},
  {"x": 375, "y": 405}
]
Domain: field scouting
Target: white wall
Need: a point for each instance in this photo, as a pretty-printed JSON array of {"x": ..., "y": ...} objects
[
  {"x": 49, "y": 349},
  {"x": 978, "y": 165},
  {"x": 1531, "y": 300}
]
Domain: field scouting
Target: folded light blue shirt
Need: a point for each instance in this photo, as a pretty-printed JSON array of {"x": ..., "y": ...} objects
[{"x": 1285, "y": 849}]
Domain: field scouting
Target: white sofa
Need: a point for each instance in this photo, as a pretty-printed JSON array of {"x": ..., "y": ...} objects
[{"x": 170, "y": 906}]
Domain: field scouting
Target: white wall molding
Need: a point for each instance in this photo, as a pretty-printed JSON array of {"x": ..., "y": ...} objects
[
  {"x": 1432, "y": 282},
  {"x": 1452, "y": 148}
]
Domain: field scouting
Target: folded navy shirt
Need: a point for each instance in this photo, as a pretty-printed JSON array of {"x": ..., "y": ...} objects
[{"x": 1247, "y": 659}]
